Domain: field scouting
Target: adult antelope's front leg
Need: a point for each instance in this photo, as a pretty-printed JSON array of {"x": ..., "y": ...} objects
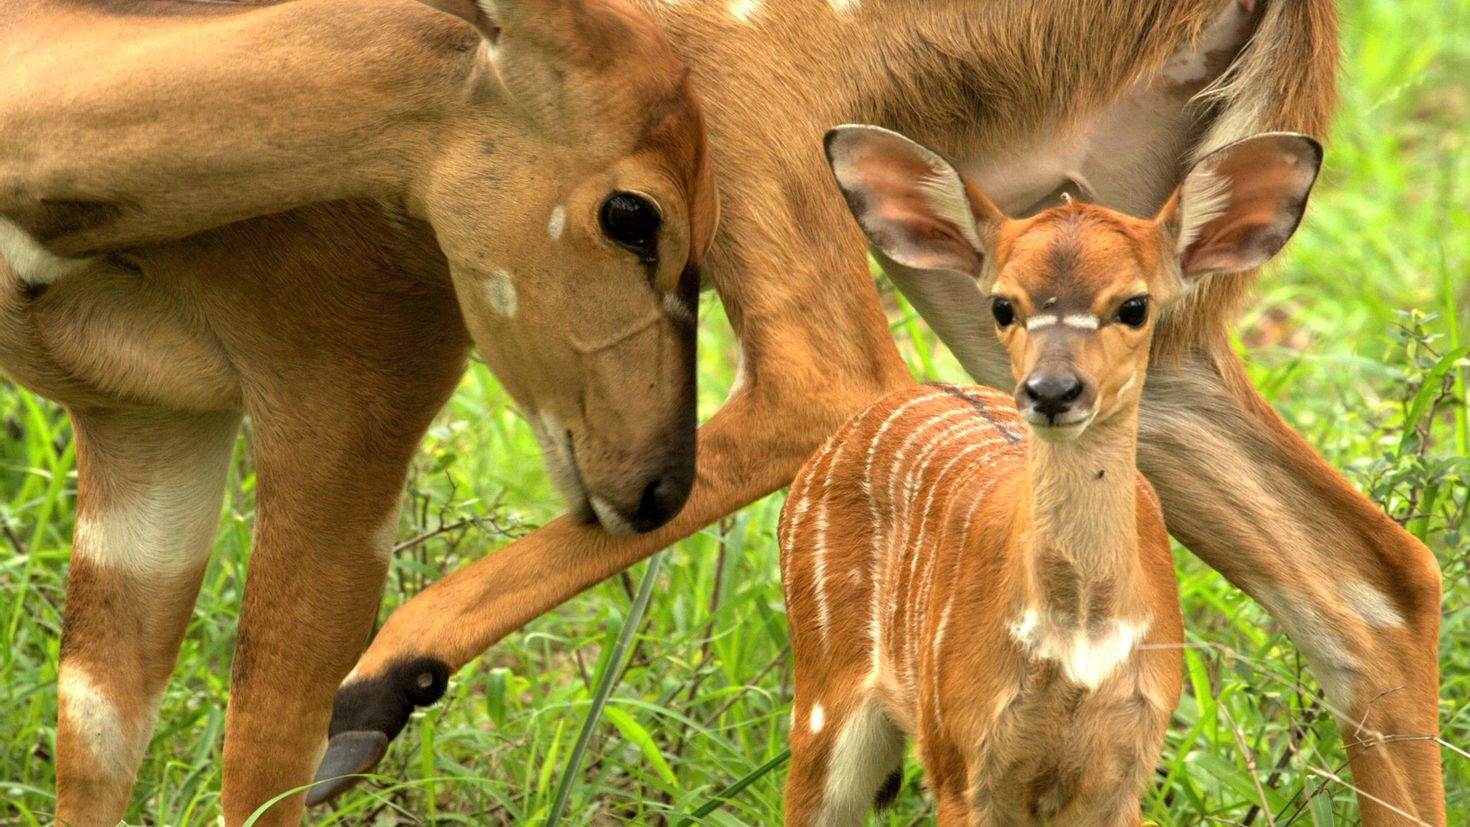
[
  {"x": 1356, "y": 593},
  {"x": 149, "y": 486},
  {"x": 748, "y": 449}
]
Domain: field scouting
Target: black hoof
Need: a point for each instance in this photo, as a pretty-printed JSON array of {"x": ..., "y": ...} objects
[
  {"x": 348, "y": 755},
  {"x": 369, "y": 713}
]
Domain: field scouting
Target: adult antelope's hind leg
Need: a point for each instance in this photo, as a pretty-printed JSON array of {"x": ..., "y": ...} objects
[
  {"x": 149, "y": 486},
  {"x": 330, "y": 475},
  {"x": 1356, "y": 593}
]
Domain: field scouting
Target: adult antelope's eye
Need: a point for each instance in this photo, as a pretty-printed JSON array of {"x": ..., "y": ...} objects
[
  {"x": 1134, "y": 312},
  {"x": 1003, "y": 312},
  {"x": 632, "y": 221}
]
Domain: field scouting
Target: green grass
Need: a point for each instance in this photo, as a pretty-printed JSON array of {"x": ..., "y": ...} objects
[{"x": 699, "y": 711}]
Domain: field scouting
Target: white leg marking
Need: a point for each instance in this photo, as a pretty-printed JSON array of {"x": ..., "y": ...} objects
[
  {"x": 151, "y": 531},
  {"x": 843, "y": 6},
  {"x": 501, "y": 293},
  {"x": 558, "y": 223},
  {"x": 116, "y": 745},
  {"x": 386, "y": 534},
  {"x": 1371, "y": 605},
  {"x": 868, "y": 748},
  {"x": 32, "y": 262},
  {"x": 819, "y": 717},
  {"x": 1333, "y": 664}
]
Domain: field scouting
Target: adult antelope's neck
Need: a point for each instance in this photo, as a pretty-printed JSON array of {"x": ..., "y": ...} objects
[{"x": 1080, "y": 552}]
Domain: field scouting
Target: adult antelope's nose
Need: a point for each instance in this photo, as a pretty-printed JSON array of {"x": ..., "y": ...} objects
[
  {"x": 1051, "y": 394},
  {"x": 659, "y": 499}
]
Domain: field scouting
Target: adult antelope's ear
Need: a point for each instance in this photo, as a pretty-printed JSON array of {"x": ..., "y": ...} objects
[
  {"x": 1239, "y": 205},
  {"x": 914, "y": 206},
  {"x": 928, "y": 227}
]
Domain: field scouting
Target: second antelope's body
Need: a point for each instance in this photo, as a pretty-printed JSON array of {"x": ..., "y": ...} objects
[{"x": 1017, "y": 615}]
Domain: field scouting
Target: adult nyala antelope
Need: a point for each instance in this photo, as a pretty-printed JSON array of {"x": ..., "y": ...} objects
[
  {"x": 532, "y": 170},
  {"x": 341, "y": 335},
  {"x": 1008, "y": 601}
]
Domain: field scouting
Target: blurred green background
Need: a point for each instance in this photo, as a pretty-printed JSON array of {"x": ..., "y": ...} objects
[{"x": 1359, "y": 323}]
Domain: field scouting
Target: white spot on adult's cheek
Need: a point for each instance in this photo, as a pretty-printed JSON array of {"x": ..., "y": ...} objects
[
  {"x": 558, "y": 223},
  {"x": 501, "y": 293}
]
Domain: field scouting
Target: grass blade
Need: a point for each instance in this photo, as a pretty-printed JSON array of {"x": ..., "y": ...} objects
[{"x": 605, "y": 683}]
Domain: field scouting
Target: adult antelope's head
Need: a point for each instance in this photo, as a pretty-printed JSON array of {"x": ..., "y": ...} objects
[
  {"x": 1075, "y": 290},
  {"x": 555, "y": 148},
  {"x": 573, "y": 199}
]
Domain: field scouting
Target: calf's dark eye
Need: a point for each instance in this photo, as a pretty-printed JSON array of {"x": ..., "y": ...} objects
[
  {"x": 1134, "y": 312},
  {"x": 631, "y": 221},
  {"x": 1003, "y": 312}
]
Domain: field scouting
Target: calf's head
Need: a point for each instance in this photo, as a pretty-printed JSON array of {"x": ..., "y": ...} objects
[{"x": 1074, "y": 291}]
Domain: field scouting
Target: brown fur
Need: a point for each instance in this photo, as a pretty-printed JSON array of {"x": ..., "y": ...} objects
[{"x": 786, "y": 254}]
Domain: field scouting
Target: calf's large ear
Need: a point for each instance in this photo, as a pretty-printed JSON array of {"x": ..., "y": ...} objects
[
  {"x": 1239, "y": 205},
  {"x": 914, "y": 206}
]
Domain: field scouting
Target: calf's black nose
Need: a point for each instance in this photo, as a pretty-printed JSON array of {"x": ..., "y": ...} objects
[{"x": 1053, "y": 393}]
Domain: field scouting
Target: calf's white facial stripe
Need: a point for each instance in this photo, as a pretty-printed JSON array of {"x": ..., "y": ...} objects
[
  {"x": 1038, "y": 322},
  {"x": 558, "y": 223},
  {"x": 1081, "y": 321}
]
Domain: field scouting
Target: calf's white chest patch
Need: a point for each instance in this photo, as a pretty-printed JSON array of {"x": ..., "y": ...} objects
[{"x": 1087, "y": 657}]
